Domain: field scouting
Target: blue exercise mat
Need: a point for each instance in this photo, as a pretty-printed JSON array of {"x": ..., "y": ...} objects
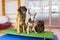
[{"x": 15, "y": 37}]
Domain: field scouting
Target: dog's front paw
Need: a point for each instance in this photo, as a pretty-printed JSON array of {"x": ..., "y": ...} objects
[
  {"x": 35, "y": 32},
  {"x": 28, "y": 33}
]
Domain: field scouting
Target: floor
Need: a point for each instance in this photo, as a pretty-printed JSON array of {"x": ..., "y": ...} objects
[{"x": 56, "y": 31}]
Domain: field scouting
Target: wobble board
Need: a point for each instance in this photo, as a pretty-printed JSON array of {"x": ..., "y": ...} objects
[{"x": 46, "y": 34}]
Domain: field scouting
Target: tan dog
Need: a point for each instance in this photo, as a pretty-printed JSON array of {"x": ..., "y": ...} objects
[
  {"x": 21, "y": 19},
  {"x": 30, "y": 23}
]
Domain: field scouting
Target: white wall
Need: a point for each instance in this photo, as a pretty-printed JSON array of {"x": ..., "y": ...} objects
[
  {"x": 23, "y": 2},
  {"x": 0, "y": 7},
  {"x": 11, "y": 10}
]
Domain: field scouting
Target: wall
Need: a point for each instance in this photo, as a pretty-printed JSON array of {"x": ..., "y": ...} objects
[
  {"x": 11, "y": 10},
  {"x": 0, "y": 7}
]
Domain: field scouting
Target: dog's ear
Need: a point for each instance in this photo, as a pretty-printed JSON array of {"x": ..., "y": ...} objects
[
  {"x": 29, "y": 12},
  {"x": 19, "y": 9},
  {"x": 35, "y": 14}
]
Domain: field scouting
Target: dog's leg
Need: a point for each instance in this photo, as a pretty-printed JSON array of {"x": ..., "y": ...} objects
[
  {"x": 18, "y": 24},
  {"x": 18, "y": 28},
  {"x": 23, "y": 28},
  {"x": 17, "y": 21},
  {"x": 28, "y": 30},
  {"x": 34, "y": 30}
]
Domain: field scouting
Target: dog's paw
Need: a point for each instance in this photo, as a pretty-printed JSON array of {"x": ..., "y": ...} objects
[
  {"x": 27, "y": 32},
  {"x": 35, "y": 32}
]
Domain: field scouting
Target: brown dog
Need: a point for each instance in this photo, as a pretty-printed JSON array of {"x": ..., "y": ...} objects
[
  {"x": 40, "y": 26},
  {"x": 21, "y": 19}
]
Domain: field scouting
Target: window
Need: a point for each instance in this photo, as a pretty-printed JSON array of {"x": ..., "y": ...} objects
[
  {"x": 51, "y": 16},
  {"x": 55, "y": 20},
  {"x": 41, "y": 8}
]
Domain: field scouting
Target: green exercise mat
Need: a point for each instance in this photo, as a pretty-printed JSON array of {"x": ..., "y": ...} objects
[{"x": 45, "y": 34}]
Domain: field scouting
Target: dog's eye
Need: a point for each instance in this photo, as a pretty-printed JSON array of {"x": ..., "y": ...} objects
[
  {"x": 34, "y": 17},
  {"x": 20, "y": 20}
]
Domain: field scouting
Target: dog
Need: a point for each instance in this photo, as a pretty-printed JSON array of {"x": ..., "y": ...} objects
[
  {"x": 40, "y": 26},
  {"x": 21, "y": 19},
  {"x": 30, "y": 24}
]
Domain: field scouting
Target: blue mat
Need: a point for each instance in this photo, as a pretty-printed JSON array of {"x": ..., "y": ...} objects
[{"x": 15, "y": 37}]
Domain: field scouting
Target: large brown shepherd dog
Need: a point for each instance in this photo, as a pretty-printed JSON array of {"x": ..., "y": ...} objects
[{"x": 21, "y": 19}]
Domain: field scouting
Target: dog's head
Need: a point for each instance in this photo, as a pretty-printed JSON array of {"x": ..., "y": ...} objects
[
  {"x": 22, "y": 10},
  {"x": 32, "y": 16},
  {"x": 41, "y": 23}
]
